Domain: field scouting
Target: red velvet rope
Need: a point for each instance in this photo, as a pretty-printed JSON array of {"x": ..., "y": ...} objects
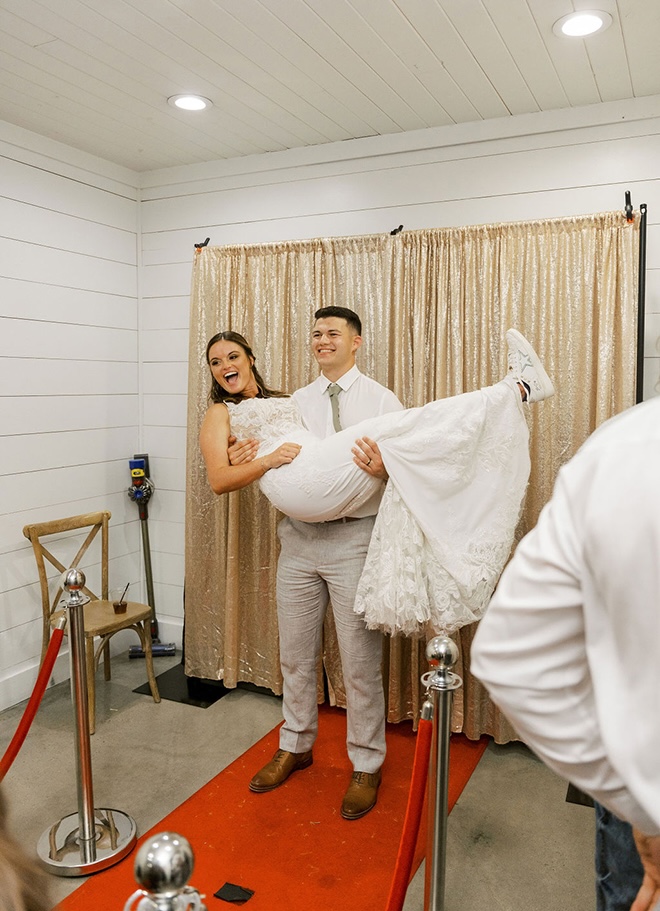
[
  {"x": 413, "y": 817},
  {"x": 33, "y": 704}
]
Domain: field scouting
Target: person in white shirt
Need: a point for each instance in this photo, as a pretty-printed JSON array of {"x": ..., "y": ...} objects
[{"x": 569, "y": 647}]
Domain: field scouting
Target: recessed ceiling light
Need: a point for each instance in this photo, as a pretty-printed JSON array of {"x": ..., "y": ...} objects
[
  {"x": 583, "y": 23},
  {"x": 189, "y": 102}
]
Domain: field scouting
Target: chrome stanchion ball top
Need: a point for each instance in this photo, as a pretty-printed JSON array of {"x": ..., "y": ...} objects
[
  {"x": 73, "y": 579},
  {"x": 442, "y": 654},
  {"x": 163, "y": 866},
  {"x": 442, "y": 651},
  {"x": 73, "y": 583}
]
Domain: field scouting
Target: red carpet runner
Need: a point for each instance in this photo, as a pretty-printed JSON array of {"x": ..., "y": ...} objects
[{"x": 291, "y": 846}]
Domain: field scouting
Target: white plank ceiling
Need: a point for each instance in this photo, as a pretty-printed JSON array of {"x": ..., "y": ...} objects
[{"x": 96, "y": 74}]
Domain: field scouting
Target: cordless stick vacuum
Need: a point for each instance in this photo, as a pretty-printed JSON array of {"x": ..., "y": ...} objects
[{"x": 140, "y": 492}]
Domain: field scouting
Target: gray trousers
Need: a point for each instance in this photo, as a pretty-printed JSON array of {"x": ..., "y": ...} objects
[{"x": 318, "y": 563}]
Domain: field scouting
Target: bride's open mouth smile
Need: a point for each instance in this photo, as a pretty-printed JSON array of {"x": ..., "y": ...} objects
[{"x": 230, "y": 378}]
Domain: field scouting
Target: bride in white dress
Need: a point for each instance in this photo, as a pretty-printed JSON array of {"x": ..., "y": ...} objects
[{"x": 458, "y": 469}]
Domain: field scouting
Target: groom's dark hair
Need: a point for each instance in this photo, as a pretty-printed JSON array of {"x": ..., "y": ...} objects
[{"x": 350, "y": 316}]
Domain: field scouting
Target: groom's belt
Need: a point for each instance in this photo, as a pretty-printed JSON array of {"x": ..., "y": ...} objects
[{"x": 344, "y": 519}]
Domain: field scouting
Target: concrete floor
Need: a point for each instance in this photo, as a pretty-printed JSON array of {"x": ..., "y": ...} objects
[{"x": 513, "y": 841}]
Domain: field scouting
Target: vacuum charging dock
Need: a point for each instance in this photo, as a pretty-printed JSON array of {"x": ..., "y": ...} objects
[{"x": 140, "y": 493}]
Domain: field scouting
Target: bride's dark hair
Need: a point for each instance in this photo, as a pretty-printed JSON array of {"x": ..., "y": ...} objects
[{"x": 217, "y": 393}]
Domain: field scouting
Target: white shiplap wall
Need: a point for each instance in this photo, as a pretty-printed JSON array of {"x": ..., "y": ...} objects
[
  {"x": 86, "y": 379},
  {"x": 69, "y": 377}
]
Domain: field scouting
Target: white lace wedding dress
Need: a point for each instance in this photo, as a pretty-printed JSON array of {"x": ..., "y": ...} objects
[{"x": 458, "y": 471}]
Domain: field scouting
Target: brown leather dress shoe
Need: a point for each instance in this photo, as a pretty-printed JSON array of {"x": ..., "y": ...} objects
[
  {"x": 278, "y": 770},
  {"x": 361, "y": 795}
]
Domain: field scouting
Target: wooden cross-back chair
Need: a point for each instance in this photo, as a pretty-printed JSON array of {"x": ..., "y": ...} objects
[{"x": 100, "y": 620}]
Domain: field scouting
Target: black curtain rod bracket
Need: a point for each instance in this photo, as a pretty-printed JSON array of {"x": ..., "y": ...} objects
[
  {"x": 629, "y": 209},
  {"x": 198, "y": 247}
]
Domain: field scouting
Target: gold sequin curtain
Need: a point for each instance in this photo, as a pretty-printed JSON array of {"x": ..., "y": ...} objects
[{"x": 435, "y": 305}]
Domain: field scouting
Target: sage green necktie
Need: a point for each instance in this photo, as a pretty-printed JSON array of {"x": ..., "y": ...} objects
[{"x": 333, "y": 391}]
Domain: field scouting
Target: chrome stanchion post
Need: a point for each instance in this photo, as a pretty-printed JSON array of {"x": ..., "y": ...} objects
[
  {"x": 73, "y": 583},
  {"x": 89, "y": 840},
  {"x": 163, "y": 866},
  {"x": 440, "y": 684}
]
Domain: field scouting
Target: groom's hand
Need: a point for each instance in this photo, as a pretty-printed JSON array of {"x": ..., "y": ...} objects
[
  {"x": 239, "y": 452},
  {"x": 366, "y": 456}
]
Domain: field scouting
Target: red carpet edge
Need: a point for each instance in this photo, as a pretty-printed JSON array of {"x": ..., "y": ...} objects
[{"x": 291, "y": 846}]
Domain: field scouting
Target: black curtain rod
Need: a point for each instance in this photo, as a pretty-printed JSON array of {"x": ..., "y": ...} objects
[
  {"x": 641, "y": 292},
  {"x": 199, "y": 246},
  {"x": 641, "y": 302}
]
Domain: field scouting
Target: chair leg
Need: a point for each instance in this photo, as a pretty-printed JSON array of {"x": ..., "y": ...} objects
[
  {"x": 106, "y": 661},
  {"x": 45, "y": 638},
  {"x": 149, "y": 660},
  {"x": 91, "y": 688}
]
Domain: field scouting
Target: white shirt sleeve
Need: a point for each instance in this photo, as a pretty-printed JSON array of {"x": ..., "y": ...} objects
[{"x": 570, "y": 645}]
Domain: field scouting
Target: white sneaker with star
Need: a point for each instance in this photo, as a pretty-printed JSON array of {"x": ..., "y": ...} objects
[{"x": 526, "y": 367}]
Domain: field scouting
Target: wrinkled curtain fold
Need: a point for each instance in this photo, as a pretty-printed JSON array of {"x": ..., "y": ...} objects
[{"x": 435, "y": 305}]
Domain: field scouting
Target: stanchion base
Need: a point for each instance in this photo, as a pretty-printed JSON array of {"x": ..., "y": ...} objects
[{"x": 59, "y": 847}]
